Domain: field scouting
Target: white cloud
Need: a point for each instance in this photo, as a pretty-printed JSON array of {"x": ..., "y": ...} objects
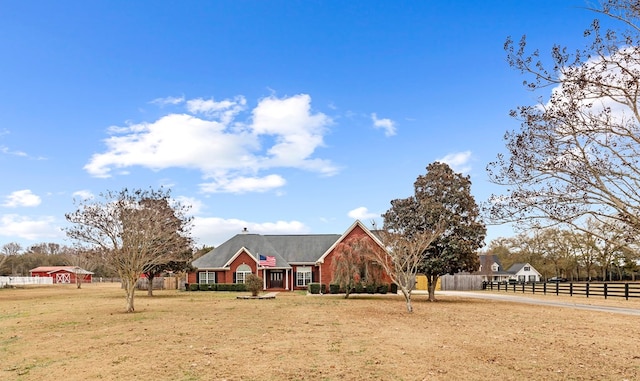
[
  {"x": 214, "y": 231},
  {"x": 13, "y": 225},
  {"x": 83, "y": 194},
  {"x": 224, "y": 110},
  {"x": 168, "y": 101},
  {"x": 283, "y": 133},
  {"x": 362, "y": 214},
  {"x": 458, "y": 161},
  {"x": 22, "y": 198},
  {"x": 297, "y": 132},
  {"x": 244, "y": 184},
  {"x": 5, "y": 150},
  {"x": 388, "y": 125}
]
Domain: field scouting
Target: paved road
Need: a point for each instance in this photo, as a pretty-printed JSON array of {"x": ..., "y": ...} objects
[{"x": 553, "y": 303}]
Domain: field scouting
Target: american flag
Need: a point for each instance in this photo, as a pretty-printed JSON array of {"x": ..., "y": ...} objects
[{"x": 267, "y": 260}]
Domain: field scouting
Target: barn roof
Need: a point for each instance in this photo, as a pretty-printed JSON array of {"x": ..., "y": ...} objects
[{"x": 54, "y": 269}]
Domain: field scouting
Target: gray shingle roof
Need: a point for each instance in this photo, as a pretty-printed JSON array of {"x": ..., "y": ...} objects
[
  {"x": 285, "y": 248},
  {"x": 516, "y": 267}
]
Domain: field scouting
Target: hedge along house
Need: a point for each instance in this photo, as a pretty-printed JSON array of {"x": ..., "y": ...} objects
[
  {"x": 284, "y": 262},
  {"x": 63, "y": 274}
]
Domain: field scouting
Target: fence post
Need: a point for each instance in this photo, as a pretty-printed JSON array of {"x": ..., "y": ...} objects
[
  {"x": 587, "y": 289},
  {"x": 557, "y": 288},
  {"x": 533, "y": 287},
  {"x": 571, "y": 289},
  {"x": 523, "y": 287},
  {"x": 605, "y": 290},
  {"x": 544, "y": 288},
  {"x": 626, "y": 291}
]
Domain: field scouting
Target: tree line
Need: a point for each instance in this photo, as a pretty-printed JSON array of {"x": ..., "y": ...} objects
[
  {"x": 16, "y": 260},
  {"x": 605, "y": 255}
]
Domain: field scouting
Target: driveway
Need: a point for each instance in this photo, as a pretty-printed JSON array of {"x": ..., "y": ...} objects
[{"x": 541, "y": 302}]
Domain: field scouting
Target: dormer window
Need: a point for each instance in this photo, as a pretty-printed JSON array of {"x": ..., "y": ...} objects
[{"x": 495, "y": 267}]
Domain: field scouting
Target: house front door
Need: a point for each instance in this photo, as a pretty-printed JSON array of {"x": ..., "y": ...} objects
[{"x": 275, "y": 279}]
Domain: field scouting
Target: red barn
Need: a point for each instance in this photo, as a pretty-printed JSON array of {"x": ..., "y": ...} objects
[{"x": 63, "y": 274}]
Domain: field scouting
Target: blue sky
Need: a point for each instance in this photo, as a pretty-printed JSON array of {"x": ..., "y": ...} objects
[{"x": 279, "y": 116}]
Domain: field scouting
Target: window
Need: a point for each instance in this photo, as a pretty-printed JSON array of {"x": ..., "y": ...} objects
[
  {"x": 303, "y": 276},
  {"x": 208, "y": 277},
  {"x": 527, "y": 268},
  {"x": 495, "y": 267},
  {"x": 241, "y": 273}
]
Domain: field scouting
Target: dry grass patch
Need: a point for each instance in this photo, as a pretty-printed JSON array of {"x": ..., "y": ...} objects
[{"x": 82, "y": 334}]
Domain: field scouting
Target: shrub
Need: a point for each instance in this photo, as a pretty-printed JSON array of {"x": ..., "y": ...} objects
[
  {"x": 253, "y": 283},
  {"x": 393, "y": 288},
  {"x": 358, "y": 289},
  {"x": 314, "y": 288},
  {"x": 231, "y": 287},
  {"x": 323, "y": 287},
  {"x": 371, "y": 288},
  {"x": 203, "y": 287},
  {"x": 383, "y": 288},
  {"x": 194, "y": 287},
  {"x": 334, "y": 288}
]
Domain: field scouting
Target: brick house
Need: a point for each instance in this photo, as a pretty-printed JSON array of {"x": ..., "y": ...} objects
[{"x": 284, "y": 262}]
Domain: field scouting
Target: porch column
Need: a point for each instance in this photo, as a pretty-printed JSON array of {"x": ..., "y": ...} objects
[
  {"x": 264, "y": 279},
  {"x": 286, "y": 279}
]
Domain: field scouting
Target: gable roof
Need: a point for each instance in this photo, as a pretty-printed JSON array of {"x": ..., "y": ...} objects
[
  {"x": 301, "y": 249},
  {"x": 516, "y": 267},
  {"x": 486, "y": 261},
  {"x": 54, "y": 269},
  {"x": 287, "y": 249},
  {"x": 357, "y": 223}
]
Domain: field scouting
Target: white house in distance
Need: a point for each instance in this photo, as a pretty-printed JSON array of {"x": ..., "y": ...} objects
[
  {"x": 524, "y": 272},
  {"x": 491, "y": 270}
]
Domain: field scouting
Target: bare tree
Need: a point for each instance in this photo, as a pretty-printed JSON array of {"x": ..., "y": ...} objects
[
  {"x": 403, "y": 255},
  {"x": 577, "y": 152},
  {"x": 133, "y": 230},
  {"x": 9, "y": 250},
  {"x": 611, "y": 243},
  {"x": 84, "y": 261}
]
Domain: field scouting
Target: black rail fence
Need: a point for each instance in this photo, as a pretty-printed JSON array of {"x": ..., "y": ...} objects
[{"x": 603, "y": 289}]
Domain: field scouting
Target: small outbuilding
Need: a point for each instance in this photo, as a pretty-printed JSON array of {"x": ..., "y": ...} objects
[{"x": 63, "y": 274}]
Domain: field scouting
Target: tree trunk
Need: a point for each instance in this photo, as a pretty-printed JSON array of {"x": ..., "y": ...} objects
[
  {"x": 432, "y": 280},
  {"x": 129, "y": 289},
  {"x": 407, "y": 297},
  {"x": 78, "y": 281},
  {"x": 150, "y": 284}
]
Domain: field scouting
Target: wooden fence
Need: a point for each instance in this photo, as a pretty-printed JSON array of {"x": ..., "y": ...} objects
[
  {"x": 460, "y": 282},
  {"x": 605, "y": 289},
  {"x": 159, "y": 283}
]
